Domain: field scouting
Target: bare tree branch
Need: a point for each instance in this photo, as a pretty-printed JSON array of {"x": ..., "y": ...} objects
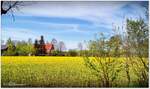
[{"x": 11, "y": 6}]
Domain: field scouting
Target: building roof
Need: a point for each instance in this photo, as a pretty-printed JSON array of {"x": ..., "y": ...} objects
[
  {"x": 49, "y": 46},
  {"x": 3, "y": 47}
]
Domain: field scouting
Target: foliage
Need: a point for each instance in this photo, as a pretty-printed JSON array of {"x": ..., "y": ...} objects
[
  {"x": 105, "y": 68},
  {"x": 23, "y": 48},
  {"x": 138, "y": 36},
  {"x": 114, "y": 45},
  {"x": 58, "y": 53},
  {"x": 132, "y": 45},
  {"x": 11, "y": 51},
  {"x": 55, "y": 53},
  {"x": 137, "y": 43},
  {"x": 72, "y": 53},
  {"x": 19, "y": 48}
]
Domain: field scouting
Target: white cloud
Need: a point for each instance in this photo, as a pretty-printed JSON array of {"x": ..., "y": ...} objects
[
  {"x": 74, "y": 45},
  {"x": 92, "y": 11},
  {"x": 101, "y": 14},
  {"x": 57, "y": 27},
  {"x": 18, "y": 34},
  {"x": 96, "y": 12}
]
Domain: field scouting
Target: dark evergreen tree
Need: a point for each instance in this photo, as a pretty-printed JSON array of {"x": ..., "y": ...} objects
[
  {"x": 42, "y": 42},
  {"x": 42, "y": 49},
  {"x": 36, "y": 46}
]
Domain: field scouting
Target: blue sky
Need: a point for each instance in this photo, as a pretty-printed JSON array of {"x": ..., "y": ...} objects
[{"x": 71, "y": 22}]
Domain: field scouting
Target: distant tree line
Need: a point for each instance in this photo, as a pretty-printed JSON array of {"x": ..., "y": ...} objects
[{"x": 28, "y": 48}]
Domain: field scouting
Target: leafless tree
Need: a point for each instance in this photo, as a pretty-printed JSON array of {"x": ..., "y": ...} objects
[
  {"x": 54, "y": 42},
  {"x": 61, "y": 46},
  {"x": 80, "y": 46},
  {"x": 10, "y": 6}
]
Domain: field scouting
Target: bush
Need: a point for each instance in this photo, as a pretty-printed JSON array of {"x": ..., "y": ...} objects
[{"x": 72, "y": 53}]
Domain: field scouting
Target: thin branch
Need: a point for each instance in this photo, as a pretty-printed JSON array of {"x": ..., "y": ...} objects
[
  {"x": 12, "y": 6},
  {"x": 12, "y": 15}
]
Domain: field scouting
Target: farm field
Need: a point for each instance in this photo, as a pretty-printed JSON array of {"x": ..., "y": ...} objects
[
  {"x": 26, "y": 71},
  {"x": 46, "y": 71}
]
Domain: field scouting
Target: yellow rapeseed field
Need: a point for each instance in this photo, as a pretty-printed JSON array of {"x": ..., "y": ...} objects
[{"x": 46, "y": 71}]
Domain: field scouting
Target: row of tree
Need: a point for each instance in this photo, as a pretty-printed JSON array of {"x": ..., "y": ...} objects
[
  {"x": 27, "y": 48},
  {"x": 18, "y": 48}
]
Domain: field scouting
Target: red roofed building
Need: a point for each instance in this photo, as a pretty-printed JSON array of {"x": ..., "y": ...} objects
[
  {"x": 41, "y": 48},
  {"x": 49, "y": 47}
]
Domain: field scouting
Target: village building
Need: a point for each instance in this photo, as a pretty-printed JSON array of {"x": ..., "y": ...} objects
[
  {"x": 42, "y": 48},
  {"x": 49, "y": 47},
  {"x": 3, "y": 48}
]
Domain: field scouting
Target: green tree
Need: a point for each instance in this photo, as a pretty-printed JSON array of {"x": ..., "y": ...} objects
[
  {"x": 102, "y": 65},
  {"x": 25, "y": 48},
  {"x": 115, "y": 45},
  {"x": 137, "y": 49},
  {"x": 11, "y": 51},
  {"x": 72, "y": 53},
  {"x": 137, "y": 33}
]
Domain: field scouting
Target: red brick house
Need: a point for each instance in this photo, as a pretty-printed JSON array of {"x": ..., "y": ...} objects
[
  {"x": 41, "y": 48},
  {"x": 49, "y": 47}
]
